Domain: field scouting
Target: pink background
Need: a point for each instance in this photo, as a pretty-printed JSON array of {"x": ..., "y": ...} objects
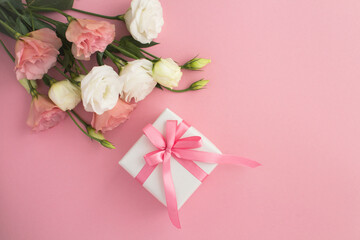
[{"x": 284, "y": 91}]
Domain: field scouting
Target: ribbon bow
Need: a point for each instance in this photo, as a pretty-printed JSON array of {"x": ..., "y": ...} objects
[{"x": 181, "y": 150}]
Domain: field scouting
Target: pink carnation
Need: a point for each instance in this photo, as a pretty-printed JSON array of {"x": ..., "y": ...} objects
[
  {"x": 36, "y": 53},
  {"x": 112, "y": 118},
  {"x": 44, "y": 114},
  {"x": 89, "y": 36}
]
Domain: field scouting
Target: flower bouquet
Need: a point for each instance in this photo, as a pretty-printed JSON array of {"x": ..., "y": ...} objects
[{"x": 43, "y": 43}]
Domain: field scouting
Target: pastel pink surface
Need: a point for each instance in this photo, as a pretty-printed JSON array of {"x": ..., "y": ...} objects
[{"x": 284, "y": 86}]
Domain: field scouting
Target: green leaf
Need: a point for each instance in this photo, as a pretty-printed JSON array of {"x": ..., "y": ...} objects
[
  {"x": 20, "y": 27},
  {"x": 58, "y": 4},
  {"x": 100, "y": 58},
  {"x": 4, "y": 16},
  {"x": 8, "y": 16},
  {"x": 67, "y": 61},
  {"x": 46, "y": 80},
  {"x": 15, "y": 3},
  {"x": 7, "y": 19},
  {"x": 38, "y": 24},
  {"x": 136, "y": 43},
  {"x": 61, "y": 29},
  {"x": 131, "y": 48}
]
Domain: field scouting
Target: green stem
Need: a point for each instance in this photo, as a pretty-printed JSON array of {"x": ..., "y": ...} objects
[
  {"x": 79, "y": 125},
  {"x": 49, "y": 20},
  {"x": 82, "y": 66},
  {"x": 15, "y": 34},
  {"x": 77, "y": 69},
  {"x": 103, "y": 141},
  {"x": 124, "y": 62},
  {"x": 79, "y": 118},
  {"x": 14, "y": 9},
  {"x": 177, "y": 91},
  {"x": 151, "y": 55},
  {"x": 118, "y": 17},
  {"x": 32, "y": 21},
  {"x": 100, "y": 58},
  {"x": 62, "y": 73},
  {"x": 148, "y": 58},
  {"x": 6, "y": 18},
  {"x": 124, "y": 51},
  {"x": 66, "y": 76},
  {"x": 118, "y": 62},
  {"x": 68, "y": 17},
  {"x": 142, "y": 50},
  {"x": 48, "y": 80},
  {"x": 34, "y": 93},
  {"x": 21, "y": 16},
  {"x": 7, "y": 51}
]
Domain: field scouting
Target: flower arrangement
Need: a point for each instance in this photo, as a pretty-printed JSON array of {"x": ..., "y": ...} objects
[{"x": 43, "y": 43}]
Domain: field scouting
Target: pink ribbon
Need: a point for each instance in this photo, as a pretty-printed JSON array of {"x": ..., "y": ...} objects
[{"x": 181, "y": 150}]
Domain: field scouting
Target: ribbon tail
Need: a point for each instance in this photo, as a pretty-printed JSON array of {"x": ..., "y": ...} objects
[
  {"x": 231, "y": 159},
  {"x": 170, "y": 194}
]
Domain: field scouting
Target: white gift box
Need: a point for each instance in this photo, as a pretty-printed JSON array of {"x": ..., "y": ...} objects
[{"x": 185, "y": 183}]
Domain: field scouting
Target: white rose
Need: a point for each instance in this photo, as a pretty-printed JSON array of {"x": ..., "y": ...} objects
[
  {"x": 65, "y": 94},
  {"x": 144, "y": 20},
  {"x": 138, "y": 81},
  {"x": 167, "y": 73},
  {"x": 100, "y": 89}
]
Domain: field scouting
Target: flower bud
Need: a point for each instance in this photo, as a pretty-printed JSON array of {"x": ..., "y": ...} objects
[
  {"x": 167, "y": 73},
  {"x": 99, "y": 137},
  {"x": 107, "y": 144},
  {"x": 93, "y": 133},
  {"x": 198, "y": 84},
  {"x": 196, "y": 63},
  {"x": 65, "y": 95}
]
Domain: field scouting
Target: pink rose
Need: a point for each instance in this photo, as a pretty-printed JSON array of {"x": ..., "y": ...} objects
[
  {"x": 36, "y": 53},
  {"x": 89, "y": 36},
  {"x": 44, "y": 114},
  {"x": 112, "y": 118}
]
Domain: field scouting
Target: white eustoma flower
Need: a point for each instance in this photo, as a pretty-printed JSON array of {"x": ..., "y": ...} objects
[
  {"x": 138, "y": 81},
  {"x": 100, "y": 89},
  {"x": 65, "y": 94},
  {"x": 167, "y": 73},
  {"x": 144, "y": 20}
]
